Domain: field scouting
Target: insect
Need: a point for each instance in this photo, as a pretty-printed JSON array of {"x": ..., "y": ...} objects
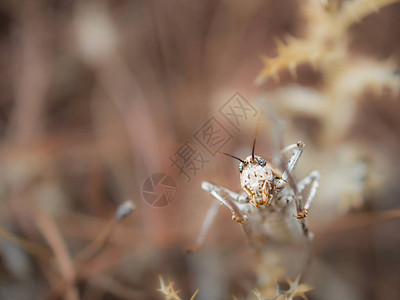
[{"x": 270, "y": 202}]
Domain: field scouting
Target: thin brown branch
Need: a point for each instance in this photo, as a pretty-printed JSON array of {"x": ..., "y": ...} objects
[{"x": 53, "y": 236}]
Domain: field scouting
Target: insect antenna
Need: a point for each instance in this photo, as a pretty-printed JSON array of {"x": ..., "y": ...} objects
[
  {"x": 255, "y": 136},
  {"x": 231, "y": 156}
]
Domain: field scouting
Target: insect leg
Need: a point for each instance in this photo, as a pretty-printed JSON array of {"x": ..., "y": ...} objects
[
  {"x": 239, "y": 198},
  {"x": 212, "y": 212},
  {"x": 288, "y": 176},
  {"x": 231, "y": 200},
  {"x": 313, "y": 180},
  {"x": 205, "y": 227},
  {"x": 298, "y": 149},
  {"x": 225, "y": 197}
]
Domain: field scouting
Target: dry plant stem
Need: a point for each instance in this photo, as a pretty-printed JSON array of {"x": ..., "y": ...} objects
[
  {"x": 105, "y": 260},
  {"x": 32, "y": 81},
  {"x": 50, "y": 274},
  {"x": 121, "y": 86},
  {"x": 86, "y": 255},
  {"x": 51, "y": 233},
  {"x": 79, "y": 226},
  {"x": 126, "y": 94},
  {"x": 95, "y": 246},
  {"x": 358, "y": 220},
  {"x": 93, "y": 267},
  {"x": 110, "y": 285},
  {"x": 34, "y": 249}
]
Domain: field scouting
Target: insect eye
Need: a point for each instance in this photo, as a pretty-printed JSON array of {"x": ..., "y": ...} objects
[
  {"x": 241, "y": 167},
  {"x": 261, "y": 161}
]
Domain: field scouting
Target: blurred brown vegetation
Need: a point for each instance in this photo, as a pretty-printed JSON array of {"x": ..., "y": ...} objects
[{"x": 97, "y": 95}]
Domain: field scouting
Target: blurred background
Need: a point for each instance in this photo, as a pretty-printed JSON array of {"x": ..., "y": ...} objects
[{"x": 95, "y": 96}]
